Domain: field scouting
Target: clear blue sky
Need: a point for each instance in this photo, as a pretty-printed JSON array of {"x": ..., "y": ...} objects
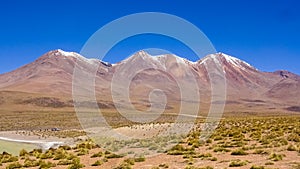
[{"x": 264, "y": 33}]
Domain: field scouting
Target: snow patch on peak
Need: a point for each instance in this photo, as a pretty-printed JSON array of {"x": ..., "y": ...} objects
[
  {"x": 158, "y": 58},
  {"x": 229, "y": 59},
  {"x": 209, "y": 57},
  {"x": 161, "y": 59},
  {"x": 142, "y": 53},
  {"x": 64, "y": 53},
  {"x": 178, "y": 59},
  {"x": 77, "y": 56},
  {"x": 235, "y": 61}
]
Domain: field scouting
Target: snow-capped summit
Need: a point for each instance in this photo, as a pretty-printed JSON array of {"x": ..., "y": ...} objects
[
  {"x": 160, "y": 59},
  {"x": 235, "y": 61},
  {"x": 74, "y": 55},
  {"x": 226, "y": 59}
]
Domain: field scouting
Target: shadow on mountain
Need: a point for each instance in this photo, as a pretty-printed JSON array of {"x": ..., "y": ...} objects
[{"x": 293, "y": 108}]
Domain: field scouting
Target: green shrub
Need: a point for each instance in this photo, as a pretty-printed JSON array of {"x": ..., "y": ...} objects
[
  {"x": 175, "y": 152},
  {"x": 260, "y": 151},
  {"x": 30, "y": 163},
  {"x": 36, "y": 152},
  {"x": 155, "y": 167},
  {"x": 186, "y": 152},
  {"x": 23, "y": 153},
  {"x": 139, "y": 159},
  {"x": 99, "y": 154},
  {"x": 86, "y": 145},
  {"x": 82, "y": 151},
  {"x": 163, "y": 165},
  {"x": 221, "y": 149},
  {"x": 124, "y": 166},
  {"x": 46, "y": 155},
  {"x": 129, "y": 161},
  {"x": 269, "y": 163},
  {"x": 276, "y": 157},
  {"x": 214, "y": 159},
  {"x": 209, "y": 141},
  {"x": 257, "y": 167},
  {"x": 71, "y": 156},
  {"x": 193, "y": 167},
  {"x": 60, "y": 154},
  {"x": 65, "y": 162},
  {"x": 293, "y": 137},
  {"x": 239, "y": 152},
  {"x": 14, "y": 165},
  {"x": 237, "y": 163},
  {"x": 45, "y": 165},
  {"x": 98, "y": 163},
  {"x": 217, "y": 138},
  {"x": 202, "y": 156},
  {"x": 9, "y": 158},
  {"x": 207, "y": 167},
  {"x": 76, "y": 164},
  {"x": 65, "y": 147},
  {"x": 113, "y": 156},
  {"x": 291, "y": 148}
]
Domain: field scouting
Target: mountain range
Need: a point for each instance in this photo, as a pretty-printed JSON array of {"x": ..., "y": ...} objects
[{"x": 47, "y": 82}]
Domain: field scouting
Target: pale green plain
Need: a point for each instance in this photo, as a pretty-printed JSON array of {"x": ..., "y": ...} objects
[{"x": 14, "y": 148}]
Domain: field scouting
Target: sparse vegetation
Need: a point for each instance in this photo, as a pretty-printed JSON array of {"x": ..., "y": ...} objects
[
  {"x": 239, "y": 152},
  {"x": 237, "y": 163},
  {"x": 234, "y": 137},
  {"x": 46, "y": 164},
  {"x": 276, "y": 157},
  {"x": 14, "y": 165},
  {"x": 98, "y": 163},
  {"x": 257, "y": 167}
]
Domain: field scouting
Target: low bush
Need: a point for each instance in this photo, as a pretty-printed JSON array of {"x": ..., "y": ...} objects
[
  {"x": 114, "y": 156},
  {"x": 221, "y": 149},
  {"x": 123, "y": 166},
  {"x": 99, "y": 154},
  {"x": 23, "y": 153},
  {"x": 14, "y": 165},
  {"x": 98, "y": 163},
  {"x": 46, "y": 165},
  {"x": 30, "y": 163},
  {"x": 237, "y": 163},
  {"x": 76, "y": 164},
  {"x": 139, "y": 159},
  {"x": 276, "y": 157},
  {"x": 239, "y": 152},
  {"x": 257, "y": 167},
  {"x": 130, "y": 161},
  {"x": 291, "y": 148}
]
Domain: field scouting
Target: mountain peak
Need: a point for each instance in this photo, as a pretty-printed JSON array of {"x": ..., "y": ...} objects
[
  {"x": 157, "y": 58},
  {"x": 226, "y": 59},
  {"x": 236, "y": 62},
  {"x": 61, "y": 54},
  {"x": 142, "y": 52}
]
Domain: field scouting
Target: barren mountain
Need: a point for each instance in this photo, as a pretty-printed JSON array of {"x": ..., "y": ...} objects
[{"x": 247, "y": 88}]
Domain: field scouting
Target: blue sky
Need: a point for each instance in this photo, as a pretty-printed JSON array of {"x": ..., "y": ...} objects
[{"x": 263, "y": 33}]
